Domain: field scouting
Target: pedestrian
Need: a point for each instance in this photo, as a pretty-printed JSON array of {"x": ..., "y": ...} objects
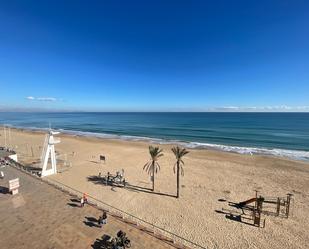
[
  {"x": 82, "y": 202},
  {"x": 100, "y": 220},
  {"x": 104, "y": 217},
  {"x": 85, "y": 198}
]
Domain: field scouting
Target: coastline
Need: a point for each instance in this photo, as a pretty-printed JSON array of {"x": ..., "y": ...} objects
[
  {"x": 210, "y": 176},
  {"x": 298, "y": 155}
]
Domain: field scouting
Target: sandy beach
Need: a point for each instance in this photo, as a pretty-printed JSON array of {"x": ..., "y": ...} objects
[{"x": 212, "y": 178}]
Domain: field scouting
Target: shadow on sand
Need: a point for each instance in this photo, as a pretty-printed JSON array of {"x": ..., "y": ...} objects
[
  {"x": 91, "y": 222},
  {"x": 73, "y": 205},
  {"x": 128, "y": 186},
  {"x": 92, "y": 161},
  {"x": 102, "y": 243},
  {"x": 235, "y": 217},
  {"x": 74, "y": 202},
  {"x": 4, "y": 190},
  {"x": 243, "y": 217}
]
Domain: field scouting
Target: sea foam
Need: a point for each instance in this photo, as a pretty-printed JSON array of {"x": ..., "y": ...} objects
[{"x": 290, "y": 154}]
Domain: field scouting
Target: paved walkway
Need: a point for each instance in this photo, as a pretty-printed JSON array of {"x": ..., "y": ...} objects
[{"x": 41, "y": 216}]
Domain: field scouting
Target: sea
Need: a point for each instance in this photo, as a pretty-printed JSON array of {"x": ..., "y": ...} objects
[{"x": 277, "y": 134}]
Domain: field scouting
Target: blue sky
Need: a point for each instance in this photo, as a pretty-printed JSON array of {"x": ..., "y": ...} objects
[{"x": 154, "y": 55}]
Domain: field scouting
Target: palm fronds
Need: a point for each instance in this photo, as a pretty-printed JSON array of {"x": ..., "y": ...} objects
[
  {"x": 182, "y": 172},
  {"x": 148, "y": 167},
  {"x": 178, "y": 166},
  {"x": 179, "y": 154},
  {"x": 152, "y": 167},
  {"x": 155, "y": 153}
]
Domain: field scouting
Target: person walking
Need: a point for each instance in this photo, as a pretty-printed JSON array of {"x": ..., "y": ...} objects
[
  {"x": 82, "y": 202},
  {"x": 85, "y": 198},
  {"x": 104, "y": 217},
  {"x": 100, "y": 221}
]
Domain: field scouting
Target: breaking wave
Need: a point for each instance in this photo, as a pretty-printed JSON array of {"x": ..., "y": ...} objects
[{"x": 285, "y": 153}]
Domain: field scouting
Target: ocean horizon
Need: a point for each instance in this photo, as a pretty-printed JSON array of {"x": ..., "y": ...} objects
[{"x": 278, "y": 134}]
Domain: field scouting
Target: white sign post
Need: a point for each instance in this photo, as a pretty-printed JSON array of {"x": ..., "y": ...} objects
[{"x": 13, "y": 186}]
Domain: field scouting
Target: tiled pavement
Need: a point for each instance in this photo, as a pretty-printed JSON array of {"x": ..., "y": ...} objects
[{"x": 41, "y": 216}]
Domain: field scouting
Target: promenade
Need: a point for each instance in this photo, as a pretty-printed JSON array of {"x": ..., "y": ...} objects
[{"x": 41, "y": 216}]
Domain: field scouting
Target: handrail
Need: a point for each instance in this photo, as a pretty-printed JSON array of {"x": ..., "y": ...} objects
[{"x": 57, "y": 184}]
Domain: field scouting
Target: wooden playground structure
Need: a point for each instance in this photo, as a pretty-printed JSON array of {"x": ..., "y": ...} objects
[{"x": 262, "y": 205}]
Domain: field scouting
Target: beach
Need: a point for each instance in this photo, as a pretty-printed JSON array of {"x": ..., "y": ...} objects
[{"x": 212, "y": 179}]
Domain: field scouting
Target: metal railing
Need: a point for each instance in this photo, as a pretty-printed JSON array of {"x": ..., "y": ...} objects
[{"x": 148, "y": 227}]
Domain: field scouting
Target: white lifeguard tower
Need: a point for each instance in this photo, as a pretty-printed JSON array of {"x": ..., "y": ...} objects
[{"x": 49, "y": 151}]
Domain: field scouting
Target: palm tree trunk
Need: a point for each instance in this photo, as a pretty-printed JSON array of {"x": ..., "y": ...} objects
[
  {"x": 153, "y": 175},
  {"x": 177, "y": 179}
]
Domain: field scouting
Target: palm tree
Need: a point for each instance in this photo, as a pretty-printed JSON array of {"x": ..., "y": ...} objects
[
  {"x": 153, "y": 166},
  {"x": 179, "y": 153}
]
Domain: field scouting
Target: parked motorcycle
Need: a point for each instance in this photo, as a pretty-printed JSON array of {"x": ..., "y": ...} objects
[{"x": 121, "y": 241}]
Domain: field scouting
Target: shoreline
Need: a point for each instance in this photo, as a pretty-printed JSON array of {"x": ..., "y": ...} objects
[{"x": 294, "y": 155}]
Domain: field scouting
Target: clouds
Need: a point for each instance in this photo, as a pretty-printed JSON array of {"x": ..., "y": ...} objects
[
  {"x": 45, "y": 99},
  {"x": 53, "y": 102},
  {"x": 277, "y": 108}
]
